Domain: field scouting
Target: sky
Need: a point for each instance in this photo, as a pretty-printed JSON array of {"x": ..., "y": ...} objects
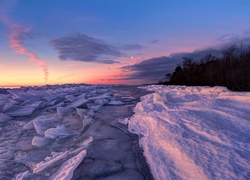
[{"x": 112, "y": 41}]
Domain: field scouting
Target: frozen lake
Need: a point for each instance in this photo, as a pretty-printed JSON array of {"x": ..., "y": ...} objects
[
  {"x": 91, "y": 132},
  {"x": 70, "y": 132}
]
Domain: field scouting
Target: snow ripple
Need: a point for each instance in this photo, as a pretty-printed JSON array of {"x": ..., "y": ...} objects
[{"x": 194, "y": 132}]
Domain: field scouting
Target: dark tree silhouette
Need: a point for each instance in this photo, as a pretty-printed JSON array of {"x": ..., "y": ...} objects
[{"x": 231, "y": 70}]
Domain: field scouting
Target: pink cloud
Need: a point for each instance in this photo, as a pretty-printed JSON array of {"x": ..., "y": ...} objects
[{"x": 16, "y": 35}]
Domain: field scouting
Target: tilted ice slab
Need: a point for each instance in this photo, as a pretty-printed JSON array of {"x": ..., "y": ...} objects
[
  {"x": 39, "y": 141},
  {"x": 42, "y": 123},
  {"x": 95, "y": 107},
  {"x": 115, "y": 102},
  {"x": 67, "y": 168},
  {"x": 194, "y": 132},
  {"x": 20, "y": 111},
  {"x": 103, "y": 96},
  {"x": 64, "y": 111},
  {"x": 101, "y": 101},
  {"x": 33, "y": 104},
  {"x": 49, "y": 161},
  {"x": 11, "y": 104},
  {"x": 71, "y": 98},
  {"x": 78, "y": 102},
  {"x": 58, "y": 132},
  {"x": 86, "y": 121},
  {"x": 65, "y": 172},
  {"x": 27, "y": 108},
  {"x": 38, "y": 93},
  {"x": 24, "y": 175},
  {"x": 127, "y": 98},
  {"x": 4, "y": 117},
  {"x": 22, "y": 95}
]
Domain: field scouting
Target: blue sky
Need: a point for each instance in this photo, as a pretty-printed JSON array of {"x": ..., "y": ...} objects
[{"x": 93, "y": 40}]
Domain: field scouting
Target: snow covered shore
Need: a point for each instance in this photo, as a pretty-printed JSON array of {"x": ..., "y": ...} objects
[{"x": 194, "y": 132}]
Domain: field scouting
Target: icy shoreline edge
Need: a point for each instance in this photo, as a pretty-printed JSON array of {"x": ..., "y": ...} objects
[{"x": 194, "y": 132}]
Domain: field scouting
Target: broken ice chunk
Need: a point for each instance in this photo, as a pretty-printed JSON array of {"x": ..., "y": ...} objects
[
  {"x": 24, "y": 145},
  {"x": 23, "y": 175},
  {"x": 39, "y": 141},
  {"x": 101, "y": 101},
  {"x": 65, "y": 172},
  {"x": 42, "y": 123},
  {"x": 64, "y": 111},
  {"x": 81, "y": 112},
  {"x": 115, "y": 102},
  {"x": 85, "y": 112},
  {"x": 86, "y": 121},
  {"x": 51, "y": 108},
  {"x": 123, "y": 121},
  {"x": 71, "y": 98},
  {"x": 4, "y": 117},
  {"x": 34, "y": 104},
  {"x": 21, "y": 94},
  {"x": 10, "y": 105},
  {"x": 29, "y": 125},
  {"x": 20, "y": 111},
  {"x": 127, "y": 98},
  {"x": 49, "y": 161},
  {"x": 103, "y": 96},
  {"x": 38, "y": 93},
  {"x": 96, "y": 107},
  {"x": 86, "y": 142},
  {"x": 79, "y": 102},
  {"x": 58, "y": 132}
]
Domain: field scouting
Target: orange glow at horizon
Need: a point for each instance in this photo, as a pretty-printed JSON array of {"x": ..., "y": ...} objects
[{"x": 23, "y": 73}]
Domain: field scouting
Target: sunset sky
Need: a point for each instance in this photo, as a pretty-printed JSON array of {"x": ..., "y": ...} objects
[{"x": 111, "y": 41}]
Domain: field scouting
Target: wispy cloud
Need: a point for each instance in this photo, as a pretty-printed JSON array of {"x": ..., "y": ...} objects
[
  {"x": 227, "y": 37},
  {"x": 66, "y": 76},
  {"x": 80, "y": 47},
  {"x": 155, "y": 41},
  {"x": 235, "y": 39},
  {"x": 5, "y": 8},
  {"x": 129, "y": 47},
  {"x": 17, "y": 35}
]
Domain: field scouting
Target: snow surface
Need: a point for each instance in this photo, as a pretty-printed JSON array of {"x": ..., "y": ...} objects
[{"x": 194, "y": 132}]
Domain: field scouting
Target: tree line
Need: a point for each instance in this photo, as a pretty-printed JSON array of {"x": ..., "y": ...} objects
[{"x": 231, "y": 70}]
